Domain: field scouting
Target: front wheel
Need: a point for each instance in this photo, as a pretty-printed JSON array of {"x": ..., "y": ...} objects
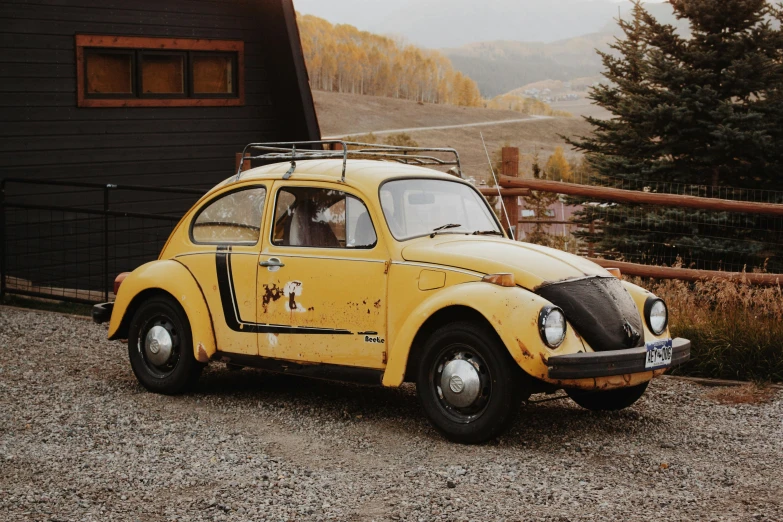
[
  {"x": 160, "y": 347},
  {"x": 468, "y": 384},
  {"x": 611, "y": 400}
]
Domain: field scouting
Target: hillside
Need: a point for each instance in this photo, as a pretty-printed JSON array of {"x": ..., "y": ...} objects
[
  {"x": 341, "y": 114},
  {"x": 502, "y": 66},
  {"x": 344, "y": 59}
]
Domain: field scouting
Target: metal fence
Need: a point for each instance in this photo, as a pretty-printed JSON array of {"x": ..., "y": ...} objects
[{"x": 68, "y": 240}]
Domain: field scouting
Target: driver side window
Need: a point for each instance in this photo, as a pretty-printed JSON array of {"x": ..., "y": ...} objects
[{"x": 321, "y": 218}]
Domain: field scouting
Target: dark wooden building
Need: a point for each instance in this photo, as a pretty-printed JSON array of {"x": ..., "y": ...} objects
[
  {"x": 131, "y": 92},
  {"x": 143, "y": 92}
]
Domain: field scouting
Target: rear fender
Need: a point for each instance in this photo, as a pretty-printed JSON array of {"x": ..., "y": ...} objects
[{"x": 170, "y": 277}]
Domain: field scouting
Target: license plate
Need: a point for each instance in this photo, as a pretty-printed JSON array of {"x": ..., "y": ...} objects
[{"x": 659, "y": 354}]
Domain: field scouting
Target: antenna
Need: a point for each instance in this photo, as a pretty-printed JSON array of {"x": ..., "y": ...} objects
[{"x": 502, "y": 204}]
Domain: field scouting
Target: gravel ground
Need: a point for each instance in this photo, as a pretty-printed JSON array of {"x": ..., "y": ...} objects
[{"x": 80, "y": 440}]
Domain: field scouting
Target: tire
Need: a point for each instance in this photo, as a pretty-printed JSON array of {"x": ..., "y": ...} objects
[
  {"x": 502, "y": 385},
  {"x": 611, "y": 400},
  {"x": 179, "y": 371}
]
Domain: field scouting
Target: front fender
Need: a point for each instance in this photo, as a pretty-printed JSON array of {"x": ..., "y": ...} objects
[
  {"x": 512, "y": 312},
  {"x": 173, "y": 278}
]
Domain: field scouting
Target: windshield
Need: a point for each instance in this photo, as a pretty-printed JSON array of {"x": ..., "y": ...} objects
[{"x": 418, "y": 207}]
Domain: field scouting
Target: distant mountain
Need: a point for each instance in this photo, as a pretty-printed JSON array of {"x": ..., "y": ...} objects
[
  {"x": 453, "y": 23},
  {"x": 502, "y": 66}
]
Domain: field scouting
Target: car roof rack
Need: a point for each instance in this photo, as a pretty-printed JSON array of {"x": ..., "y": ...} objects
[{"x": 340, "y": 149}]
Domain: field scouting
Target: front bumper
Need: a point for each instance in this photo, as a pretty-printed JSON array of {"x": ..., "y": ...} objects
[
  {"x": 101, "y": 313},
  {"x": 606, "y": 364}
]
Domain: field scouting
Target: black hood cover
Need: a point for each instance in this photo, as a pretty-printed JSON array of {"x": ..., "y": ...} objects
[{"x": 601, "y": 311}]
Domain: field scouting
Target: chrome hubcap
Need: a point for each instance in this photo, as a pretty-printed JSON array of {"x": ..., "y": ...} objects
[
  {"x": 158, "y": 345},
  {"x": 460, "y": 383}
]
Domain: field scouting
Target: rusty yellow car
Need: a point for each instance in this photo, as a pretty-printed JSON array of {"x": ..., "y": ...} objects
[{"x": 367, "y": 264}]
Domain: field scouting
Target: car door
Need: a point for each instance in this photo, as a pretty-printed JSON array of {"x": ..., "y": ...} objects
[
  {"x": 322, "y": 279},
  {"x": 225, "y": 237}
]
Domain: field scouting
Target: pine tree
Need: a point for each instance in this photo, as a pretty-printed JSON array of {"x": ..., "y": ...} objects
[{"x": 703, "y": 110}]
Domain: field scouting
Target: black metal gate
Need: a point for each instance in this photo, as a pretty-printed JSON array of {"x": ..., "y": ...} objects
[{"x": 53, "y": 248}]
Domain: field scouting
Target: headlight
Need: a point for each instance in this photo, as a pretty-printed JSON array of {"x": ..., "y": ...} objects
[
  {"x": 656, "y": 315},
  {"x": 552, "y": 326}
]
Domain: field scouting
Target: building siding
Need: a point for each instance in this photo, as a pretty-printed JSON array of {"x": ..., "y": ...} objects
[{"x": 44, "y": 135}]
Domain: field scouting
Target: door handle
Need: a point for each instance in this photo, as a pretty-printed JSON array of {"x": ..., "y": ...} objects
[{"x": 273, "y": 264}]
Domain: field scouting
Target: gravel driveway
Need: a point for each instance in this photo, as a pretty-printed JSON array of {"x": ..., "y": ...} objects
[{"x": 80, "y": 440}]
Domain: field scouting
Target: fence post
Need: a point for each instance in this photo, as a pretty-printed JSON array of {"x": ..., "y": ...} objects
[
  {"x": 510, "y": 158},
  {"x": 2, "y": 240},
  {"x": 106, "y": 242}
]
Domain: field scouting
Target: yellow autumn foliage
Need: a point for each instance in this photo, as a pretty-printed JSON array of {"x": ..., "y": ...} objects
[
  {"x": 342, "y": 58},
  {"x": 557, "y": 167}
]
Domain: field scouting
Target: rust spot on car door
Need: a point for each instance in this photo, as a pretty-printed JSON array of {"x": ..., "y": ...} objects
[{"x": 271, "y": 293}]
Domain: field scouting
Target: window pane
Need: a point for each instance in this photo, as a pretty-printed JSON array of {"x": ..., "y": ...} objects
[
  {"x": 359, "y": 230},
  {"x": 321, "y": 218},
  {"x": 213, "y": 74},
  {"x": 417, "y": 207},
  {"x": 109, "y": 73},
  {"x": 162, "y": 74},
  {"x": 235, "y": 218}
]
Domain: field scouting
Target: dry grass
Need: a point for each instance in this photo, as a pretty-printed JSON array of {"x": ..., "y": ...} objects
[
  {"x": 340, "y": 114},
  {"x": 542, "y": 136},
  {"x": 736, "y": 329}
]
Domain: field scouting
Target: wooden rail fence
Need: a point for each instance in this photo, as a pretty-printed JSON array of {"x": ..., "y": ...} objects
[
  {"x": 510, "y": 183},
  {"x": 642, "y": 198}
]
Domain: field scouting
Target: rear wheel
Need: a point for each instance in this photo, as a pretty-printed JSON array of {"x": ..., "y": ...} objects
[
  {"x": 468, "y": 384},
  {"x": 610, "y": 400},
  {"x": 160, "y": 347}
]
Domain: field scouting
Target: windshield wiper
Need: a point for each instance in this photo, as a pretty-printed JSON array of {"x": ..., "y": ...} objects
[
  {"x": 487, "y": 233},
  {"x": 444, "y": 227}
]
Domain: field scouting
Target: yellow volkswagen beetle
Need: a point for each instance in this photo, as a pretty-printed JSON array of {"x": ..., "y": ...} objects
[{"x": 340, "y": 265}]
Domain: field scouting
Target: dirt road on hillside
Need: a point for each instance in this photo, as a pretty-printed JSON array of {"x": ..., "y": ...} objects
[{"x": 444, "y": 127}]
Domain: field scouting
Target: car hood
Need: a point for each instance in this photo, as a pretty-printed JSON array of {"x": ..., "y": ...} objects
[{"x": 532, "y": 265}]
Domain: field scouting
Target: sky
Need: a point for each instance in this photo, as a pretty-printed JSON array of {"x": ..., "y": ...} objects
[{"x": 452, "y": 23}]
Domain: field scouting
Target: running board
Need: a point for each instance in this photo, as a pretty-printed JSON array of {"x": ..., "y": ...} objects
[{"x": 331, "y": 372}]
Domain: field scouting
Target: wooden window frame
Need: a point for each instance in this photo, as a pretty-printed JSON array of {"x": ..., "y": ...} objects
[
  {"x": 141, "y": 54},
  {"x": 109, "y": 95},
  {"x": 132, "y": 43},
  {"x": 235, "y": 73}
]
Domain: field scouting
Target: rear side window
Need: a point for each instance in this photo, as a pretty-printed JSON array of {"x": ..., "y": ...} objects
[
  {"x": 233, "y": 218},
  {"x": 321, "y": 218}
]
